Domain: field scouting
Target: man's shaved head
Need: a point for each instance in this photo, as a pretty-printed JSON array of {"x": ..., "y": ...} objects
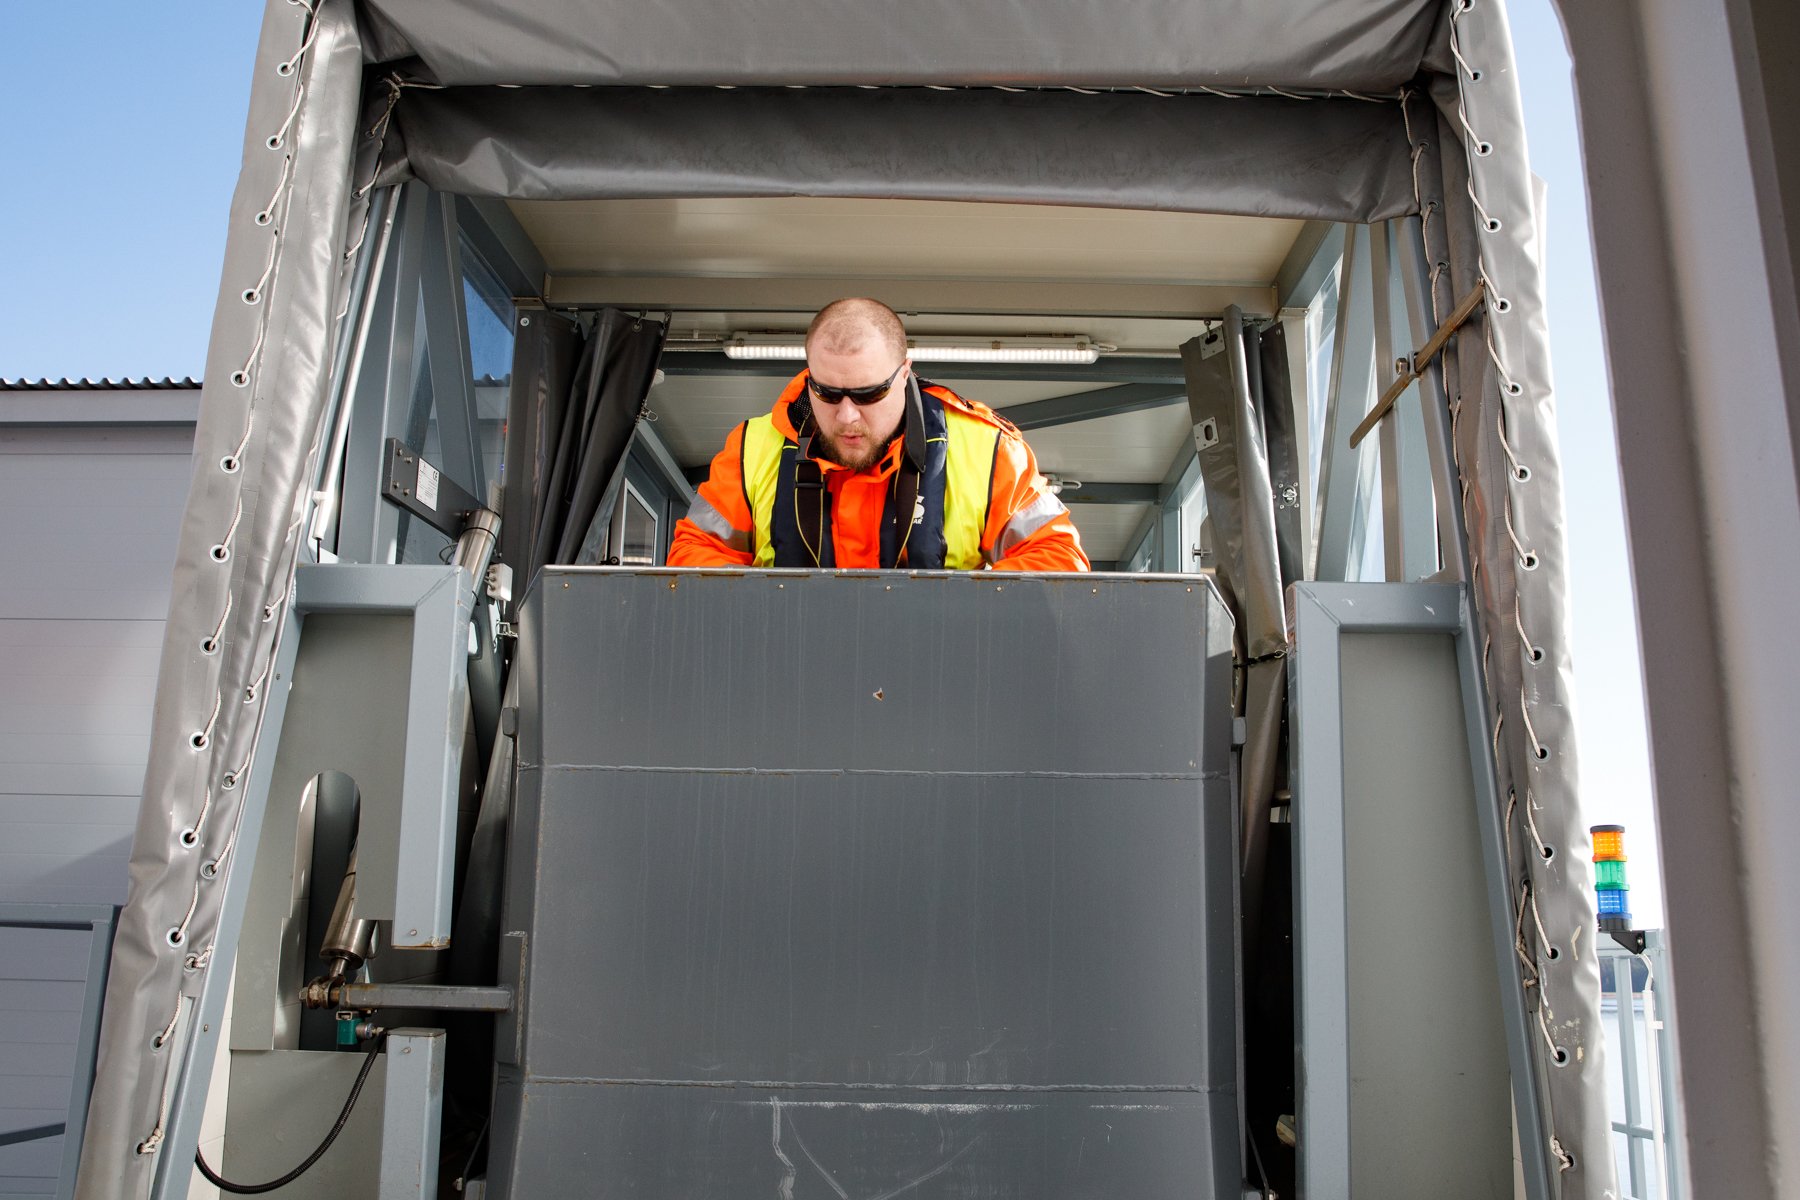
[{"x": 846, "y": 326}]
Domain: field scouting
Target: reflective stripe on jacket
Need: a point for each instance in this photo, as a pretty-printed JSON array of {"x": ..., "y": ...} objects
[{"x": 998, "y": 509}]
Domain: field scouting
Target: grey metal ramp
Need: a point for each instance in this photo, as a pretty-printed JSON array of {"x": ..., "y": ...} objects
[{"x": 866, "y": 884}]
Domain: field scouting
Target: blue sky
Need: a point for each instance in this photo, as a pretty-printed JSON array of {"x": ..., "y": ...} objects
[{"x": 112, "y": 231}]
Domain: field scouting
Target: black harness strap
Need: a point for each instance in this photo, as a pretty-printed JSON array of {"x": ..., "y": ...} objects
[
  {"x": 912, "y": 528},
  {"x": 912, "y": 524}
]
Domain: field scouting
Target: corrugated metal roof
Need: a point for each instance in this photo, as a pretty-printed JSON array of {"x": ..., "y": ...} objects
[{"x": 97, "y": 385}]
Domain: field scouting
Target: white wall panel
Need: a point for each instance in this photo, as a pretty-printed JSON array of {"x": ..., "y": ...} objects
[{"x": 94, "y": 513}]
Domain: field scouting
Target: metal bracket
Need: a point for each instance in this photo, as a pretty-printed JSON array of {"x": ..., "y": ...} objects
[
  {"x": 1410, "y": 370},
  {"x": 423, "y": 490}
]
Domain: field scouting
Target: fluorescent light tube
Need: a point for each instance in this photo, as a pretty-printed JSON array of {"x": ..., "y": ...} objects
[{"x": 1017, "y": 350}]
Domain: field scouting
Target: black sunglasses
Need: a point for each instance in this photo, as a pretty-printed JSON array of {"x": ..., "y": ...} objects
[{"x": 858, "y": 396}]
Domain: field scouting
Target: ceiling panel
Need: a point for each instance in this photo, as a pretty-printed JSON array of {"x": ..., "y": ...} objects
[{"x": 911, "y": 239}]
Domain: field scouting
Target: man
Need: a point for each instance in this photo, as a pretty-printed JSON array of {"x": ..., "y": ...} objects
[{"x": 861, "y": 464}]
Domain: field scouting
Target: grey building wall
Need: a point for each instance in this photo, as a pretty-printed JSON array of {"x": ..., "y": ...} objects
[{"x": 93, "y": 480}]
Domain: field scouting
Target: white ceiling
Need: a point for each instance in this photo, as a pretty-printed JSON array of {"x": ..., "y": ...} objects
[
  {"x": 1137, "y": 280},
  {"x": 905, "y": 239}
]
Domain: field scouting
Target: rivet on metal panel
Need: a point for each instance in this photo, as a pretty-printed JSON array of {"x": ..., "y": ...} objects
[
  {"x": 524, "y": 321},
  {"x": 412, "y": 933},
  {"x": 565, "y": 584}
]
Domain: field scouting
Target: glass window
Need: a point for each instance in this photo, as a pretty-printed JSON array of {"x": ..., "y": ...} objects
[
  {"x": 634, "y": 531},
  {"x": 491, "y": 317}
]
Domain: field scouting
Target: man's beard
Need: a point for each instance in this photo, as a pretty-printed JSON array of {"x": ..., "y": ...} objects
[{"x": 868, "y": 457}]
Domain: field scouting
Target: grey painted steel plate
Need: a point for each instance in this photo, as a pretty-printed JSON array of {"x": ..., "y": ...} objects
[{"x": 847, "y": 885}]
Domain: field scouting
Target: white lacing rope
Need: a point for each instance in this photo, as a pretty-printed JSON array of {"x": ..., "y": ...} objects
[
  {"x": 1537, "y": 838},
  {"x": 204, "y": 736},
  {"x": 230, "y": 463},
  {"x": 191, "y": 835},
  {"x": 1471, "y": 73},
  {"x": 1479, "y": 144},
  {"x": 152, "y": 1143},
  {"x": 254, "y": 293},
  {"x": 210, "y": 869},
  {"x": 1521, "y": 947},
  {"x": 291, "y": 65},
  {"x": 280, "y": 136},
  {"x": 211, "y": 644},
  {"x": 178, "y": 934},
  {"x": 1528, "y": 559},
  {"x": 1557, "y": 1053},
  {"x": 1515, "y": 468},
  {"x": 1487, "y": 221},
  {"x": 1534, "y": 653},
  {"x": 221, "y": 551},
  {"x": 267, "y": 215},
  {"x": 241, "y": 377}
]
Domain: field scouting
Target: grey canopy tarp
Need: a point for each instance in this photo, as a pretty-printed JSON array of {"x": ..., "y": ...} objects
[
  {"x": 297, "y": 224},
  {"x": 1333, "y": 159},
  {"x": 1332, "y": 45}
]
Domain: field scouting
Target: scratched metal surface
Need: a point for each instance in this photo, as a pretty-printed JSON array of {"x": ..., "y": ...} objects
[{"x": 853, "y": 885}]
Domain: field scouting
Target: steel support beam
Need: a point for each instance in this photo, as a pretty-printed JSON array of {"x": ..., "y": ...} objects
[
  {"x": 1110, "y": 369},
  {"x": 1309, "y": 264},
  {"x": 1083, "y": 492},
  {"x": 412, "y": 1114},
  {"x": 1092, "y": 406},
  {"x": 503, "y": 245},
  {"x": 1434, "y": 406},
  {"x": 806, "y": 295},
  {"x": 1347, "y": 398},
  {"x": 1326, "y": 617},
  {"x": 1693, "y": 243},
  {"x": 447, "y": 347},
  {"x": 368, "y": 526}
]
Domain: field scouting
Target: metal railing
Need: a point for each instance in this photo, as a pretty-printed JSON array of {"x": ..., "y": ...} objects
[
  {"x": 1640, "y": 1037},
  {"x": 96, "y": 921}
]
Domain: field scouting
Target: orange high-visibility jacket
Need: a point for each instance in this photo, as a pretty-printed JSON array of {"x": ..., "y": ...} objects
[{"x": 1020, "y": 524}]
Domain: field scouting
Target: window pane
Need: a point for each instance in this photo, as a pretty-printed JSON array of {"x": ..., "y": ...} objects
[
  {"x": 639, "y": 548},
  {"x": 491, "y": 315}
]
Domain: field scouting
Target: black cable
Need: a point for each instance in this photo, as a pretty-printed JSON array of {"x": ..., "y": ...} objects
[{"x": 257, "y": 1189}]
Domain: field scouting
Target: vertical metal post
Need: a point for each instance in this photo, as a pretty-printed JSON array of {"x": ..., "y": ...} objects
[
  {"x": 373, "y": 280},
  {"x": 1347, "y": 399},
  {"x": 1393, "y": 532},
  {"x": 412, "y": 1111},
  {"x": 87, "y": 1042},
  {"x": 1659, "y": 1014},
  {"x": 1299, "y": 354},
  {"x": 1434, "y": 405},
  {"x": 1628, "y": 1072},
  {"x": 1171, "y": 553},
  {"x": 369, "y": 527},
  {"x": 1412, "y": 463},
  {"x": 447, "y": 346}
]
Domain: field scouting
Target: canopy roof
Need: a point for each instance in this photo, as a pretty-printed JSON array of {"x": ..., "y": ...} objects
[{"x": 1359, "y": 45}]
